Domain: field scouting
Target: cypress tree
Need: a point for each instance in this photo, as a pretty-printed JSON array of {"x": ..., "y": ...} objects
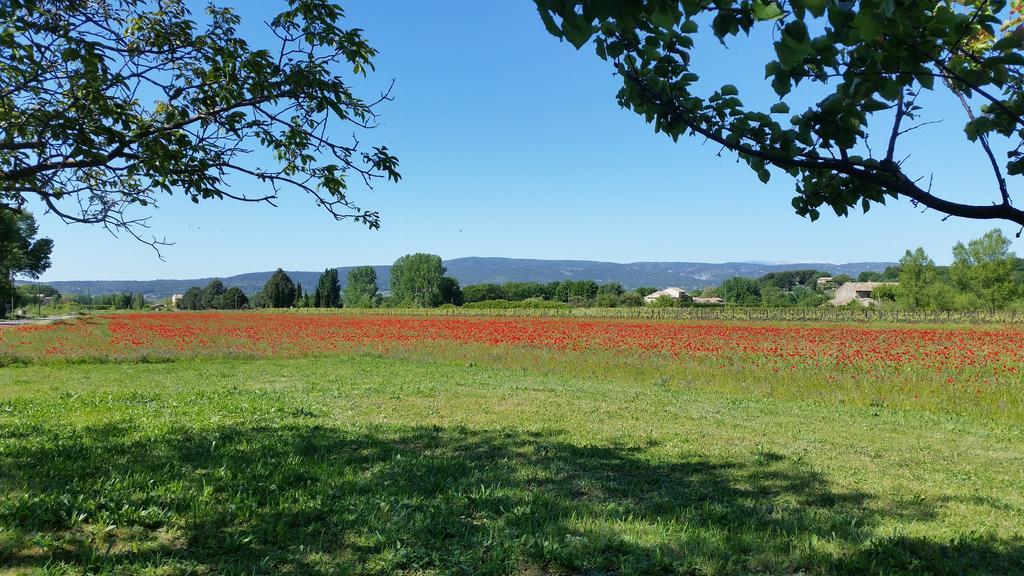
[
  {"x": 279, "y": 290},
  {"x": 330, "y": 288}
]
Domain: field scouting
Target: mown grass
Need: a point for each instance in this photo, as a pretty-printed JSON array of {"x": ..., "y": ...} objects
[{"x": 363, "y": 464}]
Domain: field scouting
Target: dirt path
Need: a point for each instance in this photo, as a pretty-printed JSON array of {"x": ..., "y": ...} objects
[{"x": 46, "y": 320}]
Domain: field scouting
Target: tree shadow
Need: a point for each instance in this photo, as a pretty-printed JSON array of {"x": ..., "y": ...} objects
[{"x": 304, "y": 498}]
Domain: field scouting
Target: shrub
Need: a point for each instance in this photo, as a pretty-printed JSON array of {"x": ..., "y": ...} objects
[{"x": 506, "y": 304}]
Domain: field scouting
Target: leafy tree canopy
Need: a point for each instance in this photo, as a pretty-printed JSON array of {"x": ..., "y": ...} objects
[
  {"x": 862, "y": 65},
  {"x": 110, "y": 104},
  {"x": 741, "y": 291},
  {"x": 917, "y": 275},
  {"x": 361, "y": 287},
  {"x": 234, "y": 299},
  {"x": 984, "y": 267},
  {"x": 329, "y": 288},
  {"x": 451, "y": 293},
  {"x": 192, "y": 299},
  {"x": 416, "y": 280},
  {"x": 21, "y": 253},
  {"x": 484, "y": 292},
  {"x": 212, "y": 293},
  {"x": 279, "y": 291}
]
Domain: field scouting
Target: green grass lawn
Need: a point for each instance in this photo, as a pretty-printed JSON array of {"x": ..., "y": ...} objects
[{"x": 371, "y": 465}]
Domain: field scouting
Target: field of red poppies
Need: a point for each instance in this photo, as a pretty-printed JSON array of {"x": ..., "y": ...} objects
[
  {"x": 959, "y": 368},
  {"x": 363, "y": 443}
]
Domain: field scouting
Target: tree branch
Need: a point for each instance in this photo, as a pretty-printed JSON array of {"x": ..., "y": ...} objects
[{"x": 890, "y": 178}]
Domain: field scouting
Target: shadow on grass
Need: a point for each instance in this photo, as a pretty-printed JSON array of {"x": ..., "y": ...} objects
[{"x": 307, "y": 499}]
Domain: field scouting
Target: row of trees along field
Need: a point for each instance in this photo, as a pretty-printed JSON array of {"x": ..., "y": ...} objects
[
  {"x": 26, "y": 297},
  {"x": 416, "y": 280},
  {"x": 116, "y": 301},
  {"x": 984, "y": 274}
]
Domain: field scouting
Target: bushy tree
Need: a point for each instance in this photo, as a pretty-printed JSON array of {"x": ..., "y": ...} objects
[
  {"x": 741, "y": 291},
  {"x": 916, "y": 280},
  {"x": 330, "y": 289},
  {"x": 583, "y": 290},
  {"x": 869, "y": 276},
  {"x": 361, "y": 287},
  {"x": 212, "y": 294},
  {"x": 122, "y": 301},
  {"x": 279, "y": 291},
  {"x": 109, "y": 105},
  {"x": 807, "y": 297},
  {"x": 234, "y": 299},
  {"x": 518, "y": 291},
  {"x": 631, "y": 299},
  {"x": 259, "y": 300},
  {"x": 138, "y": 301},
  {"x": 787, "y": 279},
  {"x": 984, "y": 267},
  {"x": 21, "y": 253},
  {"x": 484, "y": 292},
  {"x": 192, "y": 299},
  {"x": 416, "y": 280},
  {"x": 772, "y": 296},
  {"x": 889, "y": 293},
  {"x": 451, "y": 293},
  {"x": 562, "y": 291},
  {"x": 664, "y": 301}
]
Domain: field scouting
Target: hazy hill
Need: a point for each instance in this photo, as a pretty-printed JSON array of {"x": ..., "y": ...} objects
[{"x": 475, "y": 270}]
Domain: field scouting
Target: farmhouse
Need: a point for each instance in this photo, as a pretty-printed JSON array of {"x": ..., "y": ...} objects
[
  {"x": 671, "y": 292},
  {"x": 860, "y": 292}
]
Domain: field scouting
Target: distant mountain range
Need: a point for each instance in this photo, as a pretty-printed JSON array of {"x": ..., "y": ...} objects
[{"x": 475, "y": 270}]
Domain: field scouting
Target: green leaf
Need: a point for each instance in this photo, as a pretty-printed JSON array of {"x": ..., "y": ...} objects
[
  {"x": 780, "y": 108},
  {"x": 872, "y": 105},
  {"x": 767, "y": 10},
  {"x": 890, "y": 90},
  {"x": 1015, "y": 167},
  {"x": 867, "y": 26},
  {"x": 664, "y": 18},
  {"x": 729, "y": 90},
  {"x": 1009, "y": 59},
  {"x": 577, "y": 31},
  {"x": 723, "y": 24},
  {"x": 549, "y": 23},
  {"x": 926, "y": 79},
  {"x": 1011, "y": 42},
  {"x": 688, "y": 27},
  {"x": 815, "y": 7}
]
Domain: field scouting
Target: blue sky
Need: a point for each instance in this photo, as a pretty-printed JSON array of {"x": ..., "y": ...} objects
[{"x": 511, "y": 144}]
